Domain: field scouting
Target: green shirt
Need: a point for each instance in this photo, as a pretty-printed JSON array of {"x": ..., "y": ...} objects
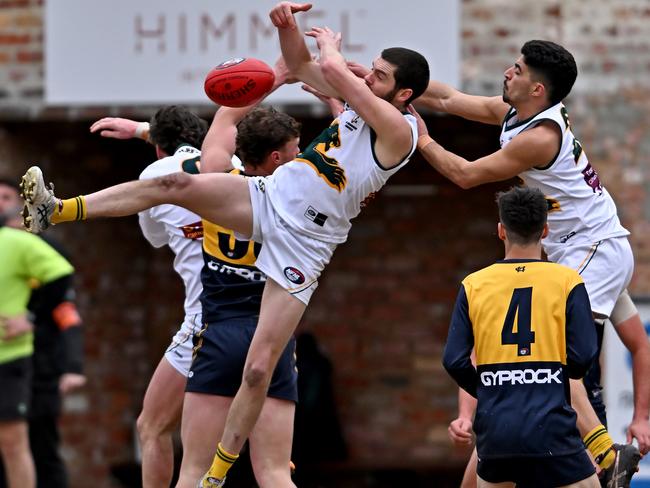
[{"x": 26, "y": 262}]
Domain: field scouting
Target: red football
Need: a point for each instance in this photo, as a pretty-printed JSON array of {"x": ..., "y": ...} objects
[{"x": 239, "y": 82}]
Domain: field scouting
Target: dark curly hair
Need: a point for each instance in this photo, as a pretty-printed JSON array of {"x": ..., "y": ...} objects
[
  {"x": 175, "y": 125},
  {"x": 263, "y": 131},
  {"x": 554, "y": 65},
  {"x": 523, "y": 212}
]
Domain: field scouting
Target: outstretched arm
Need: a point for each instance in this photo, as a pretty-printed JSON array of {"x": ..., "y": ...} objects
[
  {"x": 294, "y": 50},
  {"x": 220, "y": 142},
  {"x": 444, "y": 98},
  {"x": 534, "y": 147}
]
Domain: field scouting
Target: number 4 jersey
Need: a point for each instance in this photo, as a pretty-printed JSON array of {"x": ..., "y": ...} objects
[
  {"x": 531, "y": 327},
  {"x": 580, "y": 208}
]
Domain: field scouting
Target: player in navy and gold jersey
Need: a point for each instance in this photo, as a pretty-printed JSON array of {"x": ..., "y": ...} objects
[
  {"x": 530, "y": 325},
  {"x": 231, "y": 300},
  {"x": 538, "y": 145}
]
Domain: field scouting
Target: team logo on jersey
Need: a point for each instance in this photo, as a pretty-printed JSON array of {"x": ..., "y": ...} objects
[
  {"x": 294, "y": 275},
  {"x": 520, "y": 269},
  {"x": 326, "y": 167},
  {"x": 192, "y": 231}
]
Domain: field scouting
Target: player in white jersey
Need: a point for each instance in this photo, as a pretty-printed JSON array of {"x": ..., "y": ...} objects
[
  {"x": 175, "y": 133},
  {"x": 538, "y": 145},
  {"x": 297, "y": 234}
]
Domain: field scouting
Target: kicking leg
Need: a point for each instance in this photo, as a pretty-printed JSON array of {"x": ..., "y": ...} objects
[{"x": 218, "y": 197}]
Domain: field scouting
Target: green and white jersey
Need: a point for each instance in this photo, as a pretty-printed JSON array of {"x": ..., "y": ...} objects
[
  {"x": 325, "y": 187},
  {"x": 580, "y": 208},
  {"x": 26, "y": 261}
]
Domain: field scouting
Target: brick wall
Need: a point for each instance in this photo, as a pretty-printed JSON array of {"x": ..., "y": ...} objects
[{"x": 382, "y": 308}]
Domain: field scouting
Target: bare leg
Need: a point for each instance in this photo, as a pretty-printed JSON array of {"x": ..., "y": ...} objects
[
  {"x": 587, "y": 418},
  {"x": 591, "y": 482},
  {"x": 218, "y": 197},
  {"x": 203, "y": 419},
  {"x": 161, "y": 413},
  {"x": 270, "y": 444},
  {"x": 17, "y": 457},
  {"x": 481, "y": 483},
  {"x": 469, "y": 478},
  {"x": 279, "y": 316}
]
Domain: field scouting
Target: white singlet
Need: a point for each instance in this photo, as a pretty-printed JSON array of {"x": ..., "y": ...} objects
[
  {"x": 580, "y": 209},
  {"x": 324, "y": 188}
]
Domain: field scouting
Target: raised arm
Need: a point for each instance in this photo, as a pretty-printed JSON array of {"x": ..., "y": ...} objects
[
  {"x": 294, "y": 50},
  {"x": 220, "y": 142},
  {"x": 444, "y": 98},
  {"x": 394, "y": 137}
]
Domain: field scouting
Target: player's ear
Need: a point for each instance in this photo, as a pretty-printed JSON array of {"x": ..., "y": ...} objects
[
  {"x": 276, "y": 158},
  {"x": 160, "y": 153},
  {"x": 545, "y": 231},
  {"x": 501, "y": 231},
  {"x": 404, "y": 94}
]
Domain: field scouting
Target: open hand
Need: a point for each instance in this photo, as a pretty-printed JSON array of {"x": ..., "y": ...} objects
[
  {"x": 115, "y": 128},
  {"x": 324, "y": 36}
]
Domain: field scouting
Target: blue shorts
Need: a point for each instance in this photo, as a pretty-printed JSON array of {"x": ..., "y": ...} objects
[
  {"x": 220, "y": 354},
  {"x": 537, "y": 472}
]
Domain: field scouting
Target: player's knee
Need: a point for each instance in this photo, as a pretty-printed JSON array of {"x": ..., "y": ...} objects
[
  {"x": 150, "y": 427},
  {"x": 12, "y": 445},
  {"x": 274, "y": 477},
  {"x": 174, "y": 183},
  {"x": 257, "y": 372}
]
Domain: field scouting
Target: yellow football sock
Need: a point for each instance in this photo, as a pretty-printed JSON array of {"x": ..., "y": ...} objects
[
  {"x": 599, "y": 443},
  {"x": 69, "y": 210},
  {"x": 221, "y": 463}
]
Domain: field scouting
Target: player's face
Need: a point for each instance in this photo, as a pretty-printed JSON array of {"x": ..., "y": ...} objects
[
  {"x": 381, "y": 79},
  {"x": 517, "y": 84},
  {"x": 9, "y": 199}
]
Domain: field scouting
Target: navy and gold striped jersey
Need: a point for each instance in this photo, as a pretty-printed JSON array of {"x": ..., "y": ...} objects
[
  {"x": 531, "y": 326},
  {"x": 232, "y": 285}
]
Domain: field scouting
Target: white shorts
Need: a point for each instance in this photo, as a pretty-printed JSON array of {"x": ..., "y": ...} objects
[
  {"x": 605, "y": 266},
  {"x": 179, "y": 352},
  {"x": 290, "y": 258}
]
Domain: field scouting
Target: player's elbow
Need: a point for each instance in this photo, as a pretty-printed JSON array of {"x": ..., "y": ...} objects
[{"x": 332, "y": 71}]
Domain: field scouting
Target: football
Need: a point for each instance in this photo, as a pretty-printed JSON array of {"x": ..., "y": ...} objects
[{"x": 239, "y": 82}]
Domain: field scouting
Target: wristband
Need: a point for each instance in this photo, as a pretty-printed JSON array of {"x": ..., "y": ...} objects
[
  {"x": 424, "y": 140},
  {"x": 142, "y": 131}
]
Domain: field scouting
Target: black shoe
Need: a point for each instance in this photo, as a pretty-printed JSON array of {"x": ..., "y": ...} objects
[{"x": 626, "y": 464}]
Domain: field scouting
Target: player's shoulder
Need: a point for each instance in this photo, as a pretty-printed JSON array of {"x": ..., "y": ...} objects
[{"x": 170, "y": 164}]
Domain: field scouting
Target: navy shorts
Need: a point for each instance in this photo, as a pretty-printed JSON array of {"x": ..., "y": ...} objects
[
  {"x": 219, "y": 356},
  {"x": 16, "y": 387},
  {"x": 537, "y": 472}
]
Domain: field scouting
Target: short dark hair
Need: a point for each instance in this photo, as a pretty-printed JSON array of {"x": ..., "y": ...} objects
[
  {"x": 263, "y": 131},
  {"x": 10, "y": 182},
  {"x": 175, "y": 125},
  {"x": 554, "y": 65},
  {"x": 523, "y": 212},
  {"x": 412, "y": 70}
]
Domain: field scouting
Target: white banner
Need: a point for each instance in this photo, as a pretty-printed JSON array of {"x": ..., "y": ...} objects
[
  {"x": 159, "y": 51},
  {"x": 619, "y": 393}
]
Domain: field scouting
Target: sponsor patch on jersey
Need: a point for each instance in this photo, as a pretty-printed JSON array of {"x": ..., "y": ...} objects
[
  {"x": 192, "y": 231},
  {"x": 522, "y": 377},
  {"x": 294, "y": 275},
  {"x": 315, "y": 216}
]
